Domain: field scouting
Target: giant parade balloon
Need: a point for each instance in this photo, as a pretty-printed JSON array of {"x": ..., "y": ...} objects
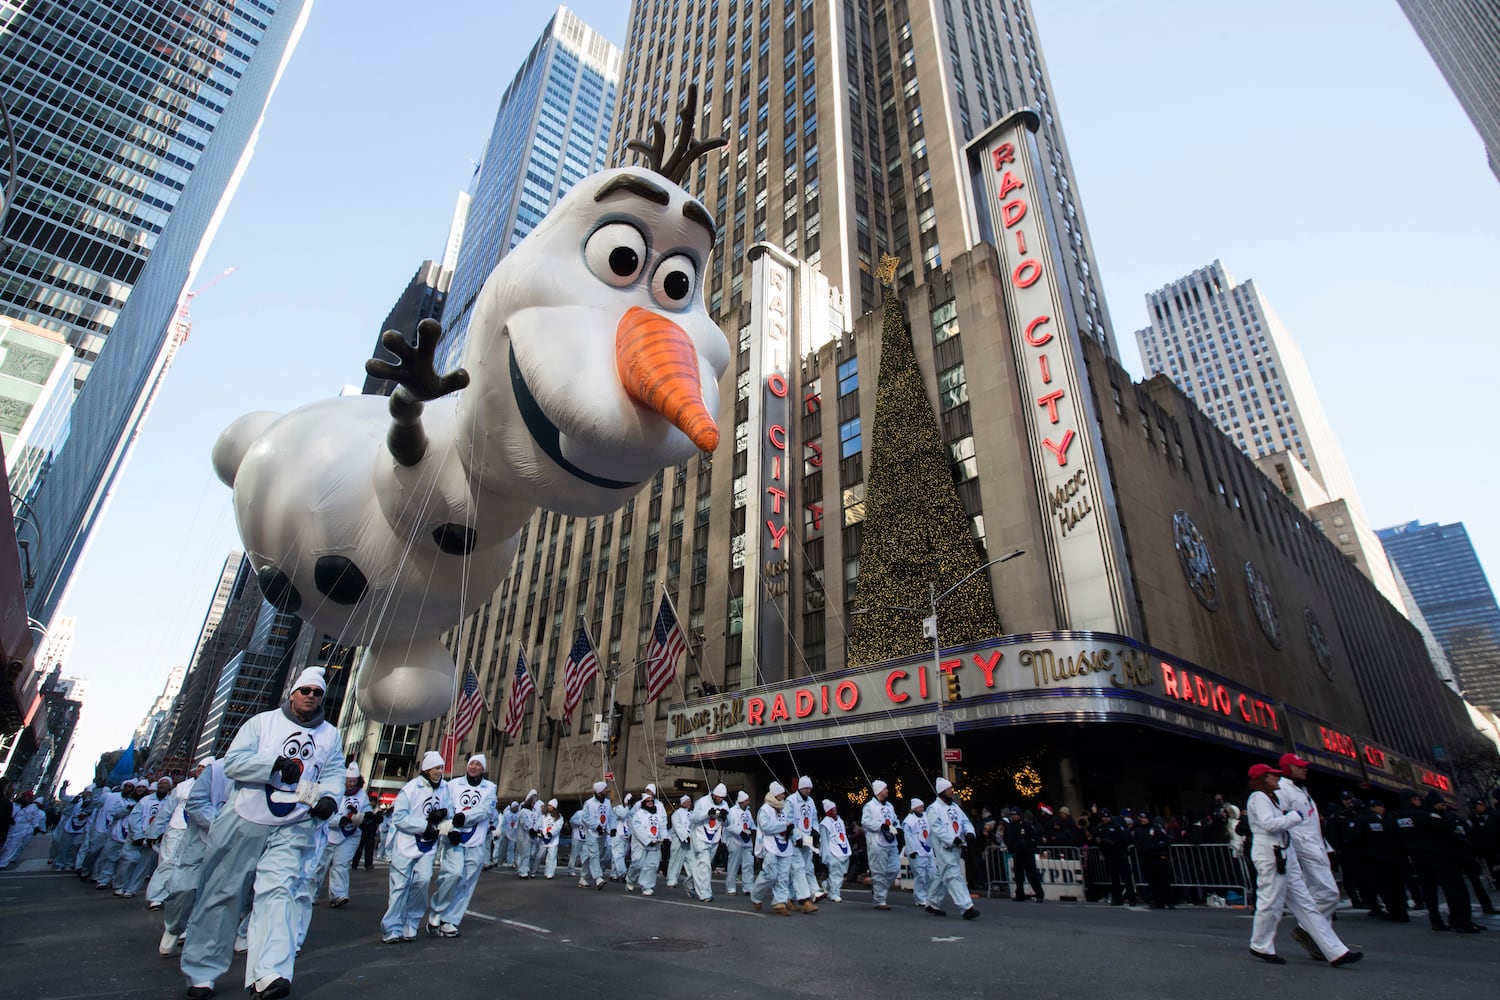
[{"x": 591, "y": 363}]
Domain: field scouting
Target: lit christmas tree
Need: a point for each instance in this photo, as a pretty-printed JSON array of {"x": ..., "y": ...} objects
[{"x": 916, "y": 531}]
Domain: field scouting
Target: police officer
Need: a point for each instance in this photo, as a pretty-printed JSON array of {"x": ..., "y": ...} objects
[
  {"x": 1021, "y": 839},
  {"x": 1153, "y": 847},
  {"x": 1114, "y": 839},
  {"x": 1433, "y": 844},
  {"x": 1370, "y": 838},
  {"x": 1471, "y": 831}
]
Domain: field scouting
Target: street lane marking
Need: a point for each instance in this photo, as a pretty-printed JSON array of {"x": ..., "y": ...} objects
[
  {"x": 525, "y": 926},
  {"x": 947, "y": 939},
  {"x": 695, "y": 906},
  {"x": 508, "y": 923}
]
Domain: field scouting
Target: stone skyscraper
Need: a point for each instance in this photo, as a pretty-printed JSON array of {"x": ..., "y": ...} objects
[
  {"x": 1224, "y": 346},
  {"x": 847, "y": 122}
]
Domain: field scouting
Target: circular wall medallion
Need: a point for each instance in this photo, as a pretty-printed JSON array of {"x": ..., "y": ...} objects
[
  {"x": 1319, "y": 642},
  {"x": 1197, "y": 564},
  {"x": 1265, "y": 604}
]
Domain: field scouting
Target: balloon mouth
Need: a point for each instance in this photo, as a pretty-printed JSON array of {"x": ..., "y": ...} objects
[
  {"x": 658, "y": 368},
  {"x": 547, "y": 435}
]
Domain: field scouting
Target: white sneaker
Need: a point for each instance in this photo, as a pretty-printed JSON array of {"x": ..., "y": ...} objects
[
  {"x": 168, "y": 944},
  {"x": 729, "y": 892},
  {"x": 241, "y": 945},
  {"x": 648, "y": 892}
]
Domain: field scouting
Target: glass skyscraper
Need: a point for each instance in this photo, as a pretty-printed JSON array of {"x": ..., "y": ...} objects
[
  {"x": 133, "y": 124},
  {"x": 1447, "y": 582},
  {"x": 552, "y": 130}
]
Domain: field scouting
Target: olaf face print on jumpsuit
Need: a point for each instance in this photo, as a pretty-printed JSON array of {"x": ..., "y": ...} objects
[
  {"x": 426, "y": 845},
  {"x": 281, "y": 798},
  {"x": 468, "y": 800}
]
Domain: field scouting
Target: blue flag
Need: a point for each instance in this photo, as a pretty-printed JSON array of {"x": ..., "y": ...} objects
[{"x": 125, "y": 766}]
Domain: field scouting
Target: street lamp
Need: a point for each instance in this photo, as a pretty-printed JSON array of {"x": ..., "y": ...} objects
[{"x": 930, "y": 630}]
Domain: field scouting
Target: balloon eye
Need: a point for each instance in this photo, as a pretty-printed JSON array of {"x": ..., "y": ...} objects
[
  {"x": 672, "y": 284},
  {"x": 616, "y": 253}
]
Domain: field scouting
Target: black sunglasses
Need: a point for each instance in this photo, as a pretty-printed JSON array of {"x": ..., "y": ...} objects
[{"x": 308, "y": 692}]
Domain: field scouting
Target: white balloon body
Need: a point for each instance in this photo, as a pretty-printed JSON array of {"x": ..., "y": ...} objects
[{"x": 390, "y": 556}]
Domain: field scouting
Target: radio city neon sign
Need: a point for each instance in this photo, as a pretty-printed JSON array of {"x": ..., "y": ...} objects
[
  {"x": 1039, "y": 331},
  {"x": 1194, "y": 689}
]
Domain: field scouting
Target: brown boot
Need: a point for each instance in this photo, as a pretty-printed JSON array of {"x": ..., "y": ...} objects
[
  {"x": 780, "y": 909},
  {"x": 756, "y": 905},
  {"x": 808, "y": 907}
]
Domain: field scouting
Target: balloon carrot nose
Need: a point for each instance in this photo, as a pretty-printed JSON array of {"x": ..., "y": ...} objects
[{"x": 658, "y": 367}]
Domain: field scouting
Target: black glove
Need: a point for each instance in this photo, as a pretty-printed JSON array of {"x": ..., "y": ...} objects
[
  {"x": 324, "y": 808},
  {"x": 599, "y": 829},
  {"x": 534, "y": 834},
  {"x": 430, "y": 833},
  {"x": 140, "y": 842},
  {"x": 458, "y": 821},
  {"x": 454, "y": 837},
  {"x": 437, "y": 816},
  {"x": 613, "y": 833},
  {"x": 289, "y": 769}
]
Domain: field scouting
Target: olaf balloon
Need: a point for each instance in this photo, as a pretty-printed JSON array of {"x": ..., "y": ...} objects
[{"x": 591, "y": 363}]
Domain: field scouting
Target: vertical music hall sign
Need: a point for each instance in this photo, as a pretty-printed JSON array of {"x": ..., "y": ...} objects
[
  {"x": 1091, "y": 589},
  {"x": 768, "y": 470}
]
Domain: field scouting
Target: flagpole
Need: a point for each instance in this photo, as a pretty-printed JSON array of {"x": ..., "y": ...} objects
[{"x": 682, "y": 681}]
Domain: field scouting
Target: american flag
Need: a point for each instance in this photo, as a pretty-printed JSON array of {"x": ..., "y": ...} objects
[
  {"x": 581, "y": 668},
  {"x": 520, "y": 689},
  {"x": 668, "y": 643},
  {"x": 470, "y": 701}
]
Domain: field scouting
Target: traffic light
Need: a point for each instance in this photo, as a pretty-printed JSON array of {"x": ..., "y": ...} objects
[
  {"x": 616, "y": 723},
  {"x": 951, "y": 678}
]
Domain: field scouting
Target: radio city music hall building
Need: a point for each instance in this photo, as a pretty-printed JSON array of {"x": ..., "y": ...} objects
[{"x": 1174, "y": 616}]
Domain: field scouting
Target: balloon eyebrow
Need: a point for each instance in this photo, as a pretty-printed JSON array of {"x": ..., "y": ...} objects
[
  {"x": 697, "y": 213},
  {"x": 634, "y": 185}
]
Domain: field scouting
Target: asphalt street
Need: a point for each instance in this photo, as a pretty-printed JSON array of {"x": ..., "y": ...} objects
[{"x": 62, "y": 940}]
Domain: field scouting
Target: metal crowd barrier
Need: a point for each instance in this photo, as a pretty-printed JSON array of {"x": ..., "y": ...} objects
[{"x": 1198, "y": 871}]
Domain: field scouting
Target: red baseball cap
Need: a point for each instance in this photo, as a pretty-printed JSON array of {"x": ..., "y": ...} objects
[
  {"x": 1288, "y": 759},
  {"x": 1256, "y": 770}
]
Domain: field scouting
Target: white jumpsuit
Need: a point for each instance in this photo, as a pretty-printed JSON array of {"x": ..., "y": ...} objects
[
  {"x": 1275, "y": 891},
  {"x": 1311, "y": 848}
]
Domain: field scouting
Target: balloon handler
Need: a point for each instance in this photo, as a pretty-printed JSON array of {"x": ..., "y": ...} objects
[{"x": 288, "y": 765}]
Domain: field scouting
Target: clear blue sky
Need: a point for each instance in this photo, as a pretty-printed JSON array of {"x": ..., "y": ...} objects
[{"x": 1311, "y": 146}]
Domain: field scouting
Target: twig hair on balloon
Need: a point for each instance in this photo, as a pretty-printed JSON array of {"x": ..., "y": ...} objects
[{"x": 685, "y": 150}]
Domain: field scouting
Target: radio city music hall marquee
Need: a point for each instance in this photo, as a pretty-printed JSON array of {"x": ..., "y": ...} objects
[{"x": 1021, "y": 678}]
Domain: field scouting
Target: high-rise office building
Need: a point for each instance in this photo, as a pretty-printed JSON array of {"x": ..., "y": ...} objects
[
  {"x": 1225, "y": 347},
  {"x": 847, "y": 122},
  {"x": 1447, "y": 582},
  {"x": 227, "y": 629},
  {"x": 252, "y": 681},
  {"x": 132, "y": 129},
  {"x": 1464, "y": 39},
  {"x": 551, "y": 130}
]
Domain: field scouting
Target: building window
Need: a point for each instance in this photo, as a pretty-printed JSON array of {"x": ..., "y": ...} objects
[
  {"x": 848, "y": 376},
  {"x": 953, "y": 390},
  {"x": 850, "y": 439},
  {"x": 945, "y": 321},
  {"x": 965, "y": 465}
]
